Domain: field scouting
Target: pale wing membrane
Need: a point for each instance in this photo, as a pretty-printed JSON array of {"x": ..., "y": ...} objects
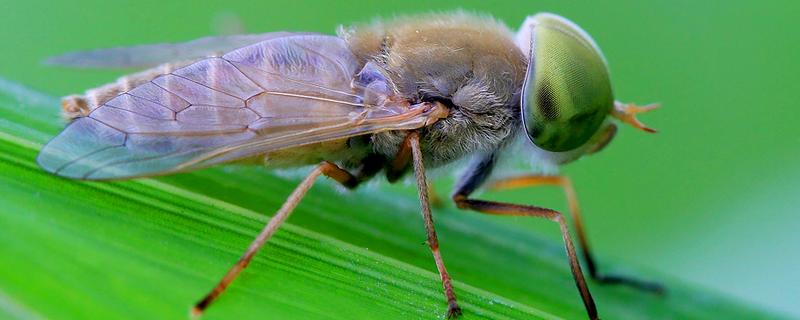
[
  {"x": 151, "y": 55},
  {"x": 276, "y": 94}
]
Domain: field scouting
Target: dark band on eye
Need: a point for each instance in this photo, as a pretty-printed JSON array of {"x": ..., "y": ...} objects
[{"x": 546, "y": 102}]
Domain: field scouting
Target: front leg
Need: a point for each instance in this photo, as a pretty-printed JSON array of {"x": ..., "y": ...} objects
[
  {"x": 476, "y": 176},
  {"x": 572, "y": 200},
  {"x": 500, "y": 208}
]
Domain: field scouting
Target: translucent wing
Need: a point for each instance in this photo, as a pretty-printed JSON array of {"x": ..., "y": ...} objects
[
  {"x": 280, "y": 93},
  {"x": 151, "y": 55}
]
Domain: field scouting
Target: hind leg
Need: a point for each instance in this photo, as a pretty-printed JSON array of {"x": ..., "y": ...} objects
[{"x": 325, "y": 168}]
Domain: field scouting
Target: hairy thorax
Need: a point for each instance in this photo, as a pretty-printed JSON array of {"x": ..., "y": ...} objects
[{"x": 469, "y": 63}]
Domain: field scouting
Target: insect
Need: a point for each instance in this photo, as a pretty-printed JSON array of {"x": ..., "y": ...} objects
[{"x": 391, "y": 97}]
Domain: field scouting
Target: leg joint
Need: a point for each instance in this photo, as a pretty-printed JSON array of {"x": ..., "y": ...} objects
[
  {"x": 460, "y": 200},
  {"x": 333, "y": 171}
]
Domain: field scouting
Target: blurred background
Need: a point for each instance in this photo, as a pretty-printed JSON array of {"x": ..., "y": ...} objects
[{"x": 711, "y": 199}]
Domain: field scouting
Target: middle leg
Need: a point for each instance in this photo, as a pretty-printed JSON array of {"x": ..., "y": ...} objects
[
  {"x": 476, "y": 175},
  {"x": 453, "y": 310}
]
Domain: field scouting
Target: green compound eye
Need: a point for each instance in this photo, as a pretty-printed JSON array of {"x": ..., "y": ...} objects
[{"x": 567, "y": 90}]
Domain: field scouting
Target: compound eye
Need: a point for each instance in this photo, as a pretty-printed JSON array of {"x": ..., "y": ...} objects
[{"x": 567, "y": 91}]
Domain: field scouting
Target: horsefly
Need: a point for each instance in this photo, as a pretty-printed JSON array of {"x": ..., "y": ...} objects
[{"x": 388, "y": 97}]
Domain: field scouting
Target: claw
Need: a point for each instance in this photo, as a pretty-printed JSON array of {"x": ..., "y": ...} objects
[
  {"x": 195, "y": 313},
  {"x": 626, "y": 112},
  {"x": 453, "y": 311}
]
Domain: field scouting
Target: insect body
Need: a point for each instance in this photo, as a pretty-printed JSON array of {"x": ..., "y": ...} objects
[{"x": 387, "y": 97}]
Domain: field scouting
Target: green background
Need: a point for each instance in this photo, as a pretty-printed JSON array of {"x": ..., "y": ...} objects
[{"x": 712, "y": 199}]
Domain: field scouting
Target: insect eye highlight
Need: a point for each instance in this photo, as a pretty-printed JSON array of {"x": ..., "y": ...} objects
[{"x": 567, "y": 91}]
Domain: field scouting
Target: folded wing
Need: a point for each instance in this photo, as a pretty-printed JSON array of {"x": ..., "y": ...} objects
[
  {"x": 151, "y": 55},
  {"x": 276, "y": 94}
]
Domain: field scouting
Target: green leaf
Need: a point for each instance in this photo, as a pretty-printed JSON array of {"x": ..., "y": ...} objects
[{"x": 149, "y": 248}]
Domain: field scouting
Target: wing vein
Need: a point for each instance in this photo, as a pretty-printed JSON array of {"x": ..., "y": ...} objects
[
  {"x": 169, "y": 91},
  {"x": 149, "y": 100},
  {"x": 297, "y": 95},
  {"x": 73, "y": 161},
  {"x": 113, "y": 163},
  {"x": 134, "y": 112},
  {"x": 106, "y": 124},
  {"x": 338, "y": 65},
  {"x": 209, "y": 88},
  {"x": 287, "y": 137},
  {"x": 284, "y": 77}
]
